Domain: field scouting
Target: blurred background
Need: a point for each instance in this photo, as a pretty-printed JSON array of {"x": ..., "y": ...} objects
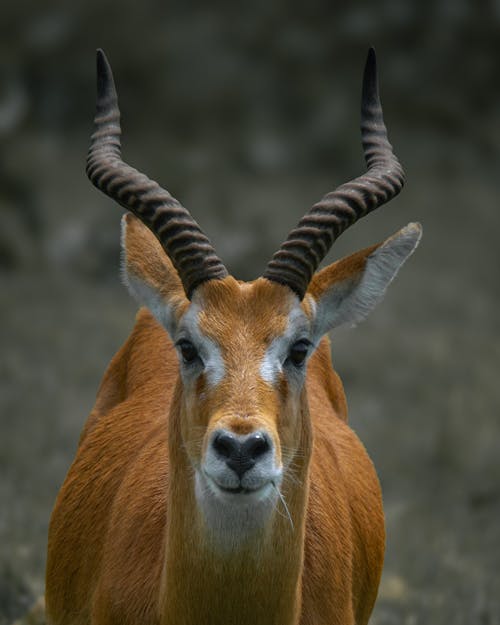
[{"x": 248, "y": 113}]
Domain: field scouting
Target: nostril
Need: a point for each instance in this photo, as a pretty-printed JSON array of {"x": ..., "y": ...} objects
[
  {"x": 240, "y": 453},
  {"x": 225, "y": 445},
  {"x": 256, "y": 445}
]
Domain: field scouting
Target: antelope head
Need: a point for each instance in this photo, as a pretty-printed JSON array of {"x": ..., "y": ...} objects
[{"x": 244, "y": 348}]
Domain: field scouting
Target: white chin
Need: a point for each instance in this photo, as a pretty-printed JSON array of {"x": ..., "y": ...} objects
[{"x": 232, "y": 516}]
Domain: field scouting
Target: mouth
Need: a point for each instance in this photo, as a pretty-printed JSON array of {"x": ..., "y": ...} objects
[
  {"x": 236, "y": 490},
  {"x": 239, "y": 490},
  {"x": 233, "y": 512}
]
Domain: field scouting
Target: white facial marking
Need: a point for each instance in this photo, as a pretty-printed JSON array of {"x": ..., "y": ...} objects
[
  {"x": 208, "y": 350},
  {"x": 277, "y": 352},
  {"x": 271, "y": 366},
  {"x": 232, "y": 517},
  {"x": 231, "y": 520}
]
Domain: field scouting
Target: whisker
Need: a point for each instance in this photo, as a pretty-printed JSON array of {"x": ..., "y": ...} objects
[
  {"x": 276, "y": 505},
  {"x": 282, "y": 499},
  {"x": 291, "y": 477},
  {"x": 293, "y": 450}
]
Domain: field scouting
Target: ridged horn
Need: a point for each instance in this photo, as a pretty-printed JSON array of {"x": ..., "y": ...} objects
[
  {"x": 180, "y": 236},
  {"x": 300, "y": 255}
]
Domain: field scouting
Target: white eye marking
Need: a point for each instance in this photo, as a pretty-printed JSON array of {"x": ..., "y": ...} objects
[
  {"x": 214, "y": 365},
  {"x": 271, "y": 365},
  {"x": 277, "y": 352},
  {"x": 208, "y": 350}
]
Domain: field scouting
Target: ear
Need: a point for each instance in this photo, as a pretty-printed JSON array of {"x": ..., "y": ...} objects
[
  {"x": 348, "y": 290},
  {"x": 149, "y": 274}
]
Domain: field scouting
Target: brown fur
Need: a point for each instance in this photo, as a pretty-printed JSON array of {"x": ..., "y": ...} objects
[{"x": 126, "y": 542}]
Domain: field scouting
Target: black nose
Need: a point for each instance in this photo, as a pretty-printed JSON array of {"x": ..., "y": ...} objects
[{"x": 240, "y": 453}]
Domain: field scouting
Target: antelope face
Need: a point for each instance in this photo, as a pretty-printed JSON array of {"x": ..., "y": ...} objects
[{"x": 243, "y": 351}]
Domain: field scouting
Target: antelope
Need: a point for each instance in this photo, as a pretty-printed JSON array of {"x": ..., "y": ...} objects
[{"x": 217, "y": 480}]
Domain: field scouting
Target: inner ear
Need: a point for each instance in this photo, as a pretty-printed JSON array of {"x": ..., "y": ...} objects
[
  {"x": 348, "y": 290},
  {"x": 149, "y": 274}
]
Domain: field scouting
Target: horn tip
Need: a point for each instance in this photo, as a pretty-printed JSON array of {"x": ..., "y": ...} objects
[
  {"x": 370, "y": 89},
  {"x": 102, "y": 62},
  {"x": 372, "y": 55},
  {"x": 371, "y": 61},
  {"x": 105, "y": 82}
]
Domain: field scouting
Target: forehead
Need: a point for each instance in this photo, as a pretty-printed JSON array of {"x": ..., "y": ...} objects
[{"x": 257, "y": 312}]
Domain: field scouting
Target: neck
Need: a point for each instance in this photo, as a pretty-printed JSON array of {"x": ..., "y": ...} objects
[{"x": 254, "y": 582}]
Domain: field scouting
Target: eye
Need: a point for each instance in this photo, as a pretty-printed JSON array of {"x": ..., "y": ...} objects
[
  {"x": 298, "y": 352},
  {"x": 188, "y": 351}
]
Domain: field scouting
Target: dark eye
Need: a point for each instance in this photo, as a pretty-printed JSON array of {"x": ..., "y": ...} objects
[
  {"x": 298, "y": 353},
  {"x": 188, "y": 351}
]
